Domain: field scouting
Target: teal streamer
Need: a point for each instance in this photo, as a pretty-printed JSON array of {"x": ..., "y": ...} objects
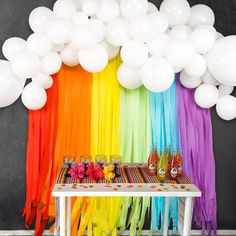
[{"x": 164, "y": 133}]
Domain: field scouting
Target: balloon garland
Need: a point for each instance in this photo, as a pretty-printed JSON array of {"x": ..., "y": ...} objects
[{"x": 154, "y": 45}]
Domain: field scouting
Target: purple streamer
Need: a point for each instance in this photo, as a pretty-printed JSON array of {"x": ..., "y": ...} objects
[{"x": 198, "y": 157}]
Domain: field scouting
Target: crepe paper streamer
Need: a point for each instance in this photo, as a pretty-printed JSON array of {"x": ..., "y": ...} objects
[
  {"x": 198, "y": 156},
  {"x": 164, "y": 133},
  {"x": 105, "y": 114},
  {"x": 42, "y": 125}
]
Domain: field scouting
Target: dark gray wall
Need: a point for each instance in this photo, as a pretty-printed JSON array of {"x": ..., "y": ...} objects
[{"x": 13, "y": 124}]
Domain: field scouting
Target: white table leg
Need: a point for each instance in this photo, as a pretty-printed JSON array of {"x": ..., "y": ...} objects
[
  {"x": 62, "y": 216},
  {"x": 166, "y": 217},
  {"x": 187, "y": 216},
  {"x": 68, "y": 216}
]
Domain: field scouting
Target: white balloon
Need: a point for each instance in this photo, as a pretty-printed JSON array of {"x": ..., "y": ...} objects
[
  {"x": 160, "y": 20},
  {"x": 57, "y": 47},
  {"x": 197, "y": 66},
  {"x": 133, "y": 8},
  {"x": 177, "y": 11},
  {"x": 80, "y": 18},
  {"x": 39, "y": 18},
  {"x": 179, "y": 53},
  {"x": 94, "y": 59},
  {"x": 134, "y": 53},
  {"x": 207, "y": 78},
  {"x": 99, "y": 29},
  {"x": 34, "y": 97},
  {"x": 221, "y": 60},
  {"x": 25, "y": 65},
  {"x": 83, "y": 37},
  {"x": 226, "y": 107},
  {"x": 157, "y": 75},
  {"x": 118, "y": 32},
  {"x": 129, "y": 77},
  {"x": 42, "y": 80},
  {"x": 64, "y": 8},
  {"x": 51, "y": 64},
  {"x": 152, "y": 8},
  {"x": 201, "y": 15},
  {"x": 219, "y": 36},
  {"x": 206, "y": 95},
  {"x": 39, "y": 44},
  {"x": 108, "y": 10},
  {"x": 143, "y": 28},
  {"x": 188, "y": 81},
  {"x": 111, "y": 50},
  {"x": 10, "y": 86},
  {"x": 180, "y": 32},
  {"x": 12, "y": 47},
  {"x": 69, "y": 56},
  {"x": 203, "y": 38},
  {"x": 157, "y": 46},
  {"x": 225, "y": 89},
  {"x": 59, "y": 31},
  {"x": 90, "y": 7}
]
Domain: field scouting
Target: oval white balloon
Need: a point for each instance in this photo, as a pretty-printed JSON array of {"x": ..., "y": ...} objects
[
  {"x": 99, "y": 29},
  {"x": 188, "y": 81},
  {"x": 11, "y": 87},
  {"x": 39, "y": 18},
  {"x": 69, "y": 56},
  {"x": 177, "y": 11},
  {"x": 207, "y": 78},
  {"x": 64, "y": 8},
  {"x": 226, "y": 107},
  {"x": 134, "y": 53},
  {"x": 180, "y": 32},
  {"x": 51, "y": 64},
  {"x": 206, "y": 95},
  {"x": 79, "y": 18},
  {"x": 111, "y": 50},
  {"x": 152, "y": 8},
  {"x": 90, "y": 7},
  {"x": 160, "y": 20},
  {"x": 225, "y": 89},
  {"x": 43, "y": 80},
  {"x": 157, "y": 75},
  {"x": 201, "y": 15},
  {"x": 25, "y": 65},
  {"x": 34, "y": 97},
  {"x": 129, "y": 77},
  {"x": 94, "y": 59},
  {"x": 12, "y": 47}
]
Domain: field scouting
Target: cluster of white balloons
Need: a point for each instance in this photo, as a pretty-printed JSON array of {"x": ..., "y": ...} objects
[{"x": 154, "y": 45}]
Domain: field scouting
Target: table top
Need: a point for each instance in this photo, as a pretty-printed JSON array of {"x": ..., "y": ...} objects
[{"x": 133, "y": 181}]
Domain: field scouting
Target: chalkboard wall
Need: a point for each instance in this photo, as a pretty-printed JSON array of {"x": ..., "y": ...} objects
[{"x": 13, "y": 123}]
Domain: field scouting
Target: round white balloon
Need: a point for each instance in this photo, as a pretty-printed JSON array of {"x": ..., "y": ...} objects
[
  {"x": 206, "y": 95},
  {"x": 64, "y": 8},
  {"x": 226, "y": 107},
  {"x": 129, "y": 77},
  {"x": 203, "y": 38},
  {"x": 34, "y": 97},
  {"x": 188, "y": 81},
  {"x": 80, "y": 18},
  {"x": 51, "y": 64},
  {"x": 201, "y": 15},
  {"x": 133, "y": 8},
  {"x": 111, "y": 50},
  {"x": 99, "y": 30},
  {"x": 39, "y": 44},
  {"x": 143, "y": 28},
  {"x": 90, "y": 7},
  {"x": 152, "y": 8},
  {"x": 12, "y": 47},
  {"x": 197, "y": 66},
  {"x": 25, "y": 65},
  {"x": 160, "y": 20},
  {"x": 59, "y": 31},
  {"x": 69, "y": 56},
  {"x": 179, "y": 53},
  {"x": 221, "y": 60},
  {"x": 94, "y": 59},
  {"x": 39, "y": 18},
  {"x": 157, "y": 75},
  {"x": 118, "y": 32},
  {"x": 157, "y": 46},
  {"x": 11, "y": 87},
  {"x": 43, "y": 80},
  {"x": 108, "y": 10},
  {"x": 134, "y": 53},
  {"x": 57, "y": 47},
  {"x": 207, "y": 78},
  {"x": 180, "y": 32},
  {"x": 177, "y": 11},
  {"x": 225, "y": 89}
]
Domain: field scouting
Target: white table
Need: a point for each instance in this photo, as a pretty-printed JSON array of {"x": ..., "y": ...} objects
[{"x": 65, "y": 191}]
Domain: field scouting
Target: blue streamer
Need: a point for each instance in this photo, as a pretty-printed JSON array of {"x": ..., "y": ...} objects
[{"x": 164, "y": 133}]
